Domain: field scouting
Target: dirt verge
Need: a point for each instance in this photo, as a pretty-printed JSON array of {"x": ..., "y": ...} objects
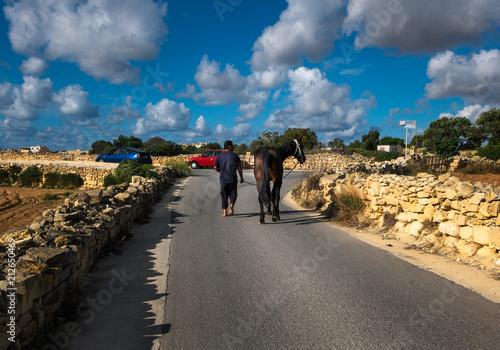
[{"x": 19, "y": 206}]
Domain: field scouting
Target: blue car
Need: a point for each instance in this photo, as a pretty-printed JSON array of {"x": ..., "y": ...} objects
[{"x": 117, "y": 154}]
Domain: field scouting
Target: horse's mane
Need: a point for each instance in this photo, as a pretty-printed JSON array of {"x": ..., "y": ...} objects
[{"x": 287, "y": 149}]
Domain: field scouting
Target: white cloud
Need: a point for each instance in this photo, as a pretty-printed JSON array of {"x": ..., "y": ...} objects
[
  {"x": 25, "y": 101},
  {"x": 200, "y": 130},
  {"x": 62, "y": 138},
  {"x": 124, "y": 111},
  {"x": 306, "y": 28},
  {"x": 321, "y": 105},
  {"x": 475, "y": 78},
  {"x": 75, "y": 105},
  {"x": 34, "y": 66},
  {"x": 471, "y": 112},
  {"x": 240, "y": 131},
  {"x": 101, "y": 36},
  {"x": 423, "y": 25},
  {"x": 164, "y": 116},
  {"x": 225, "y": 87}
]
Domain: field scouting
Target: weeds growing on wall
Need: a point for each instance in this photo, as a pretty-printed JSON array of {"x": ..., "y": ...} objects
[{"x": 348, "y": 204}]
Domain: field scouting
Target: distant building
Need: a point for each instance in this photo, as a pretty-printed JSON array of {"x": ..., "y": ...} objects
[
  {"x": 389, "y": 148},
  {"x": 39, "y": 149}
]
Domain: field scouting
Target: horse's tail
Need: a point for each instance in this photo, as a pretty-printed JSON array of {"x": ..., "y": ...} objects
[{"x": 264, "y": 186}]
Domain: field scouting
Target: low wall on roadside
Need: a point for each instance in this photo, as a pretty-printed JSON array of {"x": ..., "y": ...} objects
[
  {"x": 46, "y": 262},
  {"x": 93, "y": 177},
  {"x": 438, "y": 214}
]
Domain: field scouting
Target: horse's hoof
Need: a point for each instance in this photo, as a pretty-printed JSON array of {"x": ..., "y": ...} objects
[
  {"x": 261, "y": 222},
  {"x": 269, "y": 213},
  {"x": 275, "y": 219}
]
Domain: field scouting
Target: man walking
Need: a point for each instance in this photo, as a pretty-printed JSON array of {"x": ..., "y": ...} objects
[{"x": 226, "y": 164}]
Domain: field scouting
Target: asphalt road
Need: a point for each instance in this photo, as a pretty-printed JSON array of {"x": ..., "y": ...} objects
[{"x": 301, "y": 284}]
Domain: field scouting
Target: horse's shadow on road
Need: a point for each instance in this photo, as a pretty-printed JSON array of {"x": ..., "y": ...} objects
[{"x": 297, "y": 217}]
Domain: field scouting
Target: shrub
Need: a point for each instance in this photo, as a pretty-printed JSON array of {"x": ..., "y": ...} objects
[
  {"x": 14, "y": 171},
  {"x": 109, "y": 180},
  {"x": 129, "y": 168},
  {"x": 56, "y": 180},
  {"x": 4, "y": 177},
  {"x": 71, "y": 181},
  {"x": 49, "y": 197},
  {"x": 52, "y": 180},
  {"x": 32, "y": 176},
  {"x": 349, "y": 204},
  {"x": 181, "y": 168},
  {"x": 380, "y": 156},
  {"x": 489, "y": 151}
]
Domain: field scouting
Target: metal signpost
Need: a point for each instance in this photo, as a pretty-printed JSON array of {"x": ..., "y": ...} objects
[{"x": 407, "y": 124}]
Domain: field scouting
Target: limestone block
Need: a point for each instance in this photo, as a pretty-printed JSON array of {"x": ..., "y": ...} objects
[
  {"x": 489, "y": 209},
  {"x": 472, "y": 208},
  {"x": 465, "y": 190},
  {"x": 467, "y": 233},
  {"x": 449, "y": 228},
  {"x": 416, "y": 208},
  {"x": 415, "y": 228},
  {"x": 451, "y": 193},
  {"x": 439, "y": 216},
  {"x": 428, "y": 213},
  {"x": 467, "y": 248},
  {"x": 494, "y": 238},
  {"x": 491, "y": 196},
  {"x": 485, "y": 253},
  {"x": 407, "y": 216},
  {"x": 451, "y": 242},
  {"x": 446, "y": 204},
  {"x": 424, "y": 201},
  {"x": 477, "y": 198},
  {"x": 481, "y": 235},
  {"x": 462, "y": 220}
]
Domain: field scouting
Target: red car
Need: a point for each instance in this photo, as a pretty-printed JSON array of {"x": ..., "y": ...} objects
[{"x": 206, "y": 159}]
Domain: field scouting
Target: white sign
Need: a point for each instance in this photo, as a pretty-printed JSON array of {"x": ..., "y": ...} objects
[{"x": 410, "y": 126}]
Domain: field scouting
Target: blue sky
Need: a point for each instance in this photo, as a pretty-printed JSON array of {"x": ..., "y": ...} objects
[{"x": 73, "y": 72}]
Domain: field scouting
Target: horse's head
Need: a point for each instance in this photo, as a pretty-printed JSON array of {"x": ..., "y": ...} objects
[{"x": 299, "y": 151}]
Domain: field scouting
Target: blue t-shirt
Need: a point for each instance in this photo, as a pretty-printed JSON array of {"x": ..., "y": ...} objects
[{"x": 228, "y": 162}]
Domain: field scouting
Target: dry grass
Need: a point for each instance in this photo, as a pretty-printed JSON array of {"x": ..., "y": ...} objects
[{"x": 350, "y": 204}]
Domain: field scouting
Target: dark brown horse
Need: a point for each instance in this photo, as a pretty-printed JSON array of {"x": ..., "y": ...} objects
[{"x": 268, "y": 166}]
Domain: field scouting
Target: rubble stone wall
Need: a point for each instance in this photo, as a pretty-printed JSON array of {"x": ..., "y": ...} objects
[
  {"x": 438, "y": 214},
  {"x": 54, "y": 253},
  {"x": 93, "y": 177}
]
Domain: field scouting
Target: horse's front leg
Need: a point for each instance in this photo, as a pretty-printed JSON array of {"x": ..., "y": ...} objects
[
  {"x": 261, "y": 205},
  {"x": 269, "y": 196}
]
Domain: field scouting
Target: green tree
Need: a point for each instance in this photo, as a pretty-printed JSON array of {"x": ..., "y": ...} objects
[
  {"x": 394, "y": 141},
  {"x": 100, "y": 146},
  {"x": 267, "y": 139},
  {"x": 131, "y": 141},
  {"x": 417, "y": 141},
  {"x": 308, "y": 137},
  {"x": 489, "y": 126},
  {"x": 190, "y": 149},
  {"x": 446, "y": 136},
  {"x": 210, "y": 145},
  {"x": 153, "y": 142},
  {"x": 336, "y": 143},
  {"x": 165, "y": 149},
  {"x": 356, "y": 144},
  {"x": 241, "y": 149},
  {"x": 370, "y": 140}
]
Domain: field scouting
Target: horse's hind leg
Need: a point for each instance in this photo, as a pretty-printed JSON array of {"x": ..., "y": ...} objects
[
  {"x": 261, "y": 220},
  {"x": 269, "y": 195},
  {"x": 275, "y": 200}
]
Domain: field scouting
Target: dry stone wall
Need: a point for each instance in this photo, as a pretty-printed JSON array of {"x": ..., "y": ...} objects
[
  {"x": 438, "y": 214},
  {"x": 53, "y": 254}
]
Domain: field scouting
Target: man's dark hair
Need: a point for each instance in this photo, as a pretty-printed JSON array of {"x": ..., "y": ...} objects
[{"x": 227, "y": 144}]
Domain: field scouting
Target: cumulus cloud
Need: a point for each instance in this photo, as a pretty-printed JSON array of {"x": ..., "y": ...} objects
[
  {"x": 101, "y": 36},
  {"x": 471, "y": 112},
  {"x": 34, "y": 66},
  {"x": 164, "y": 116},
  {"x": 200, "y": 130},
  {"x": 74, "y": 103},
  {"x": 222, "y": 87},
  {"x": 424, "y": 25},
  {"x": 307, "y": 28},
  {"x": 124, "y": 111},
  {"x": 61, "y": 137},
  {"x": 25, "y": 101},
  {"x": 476, "y": 77},
  {"x": 321, "y": 105},
  {"x": 239, "y": 131}
]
